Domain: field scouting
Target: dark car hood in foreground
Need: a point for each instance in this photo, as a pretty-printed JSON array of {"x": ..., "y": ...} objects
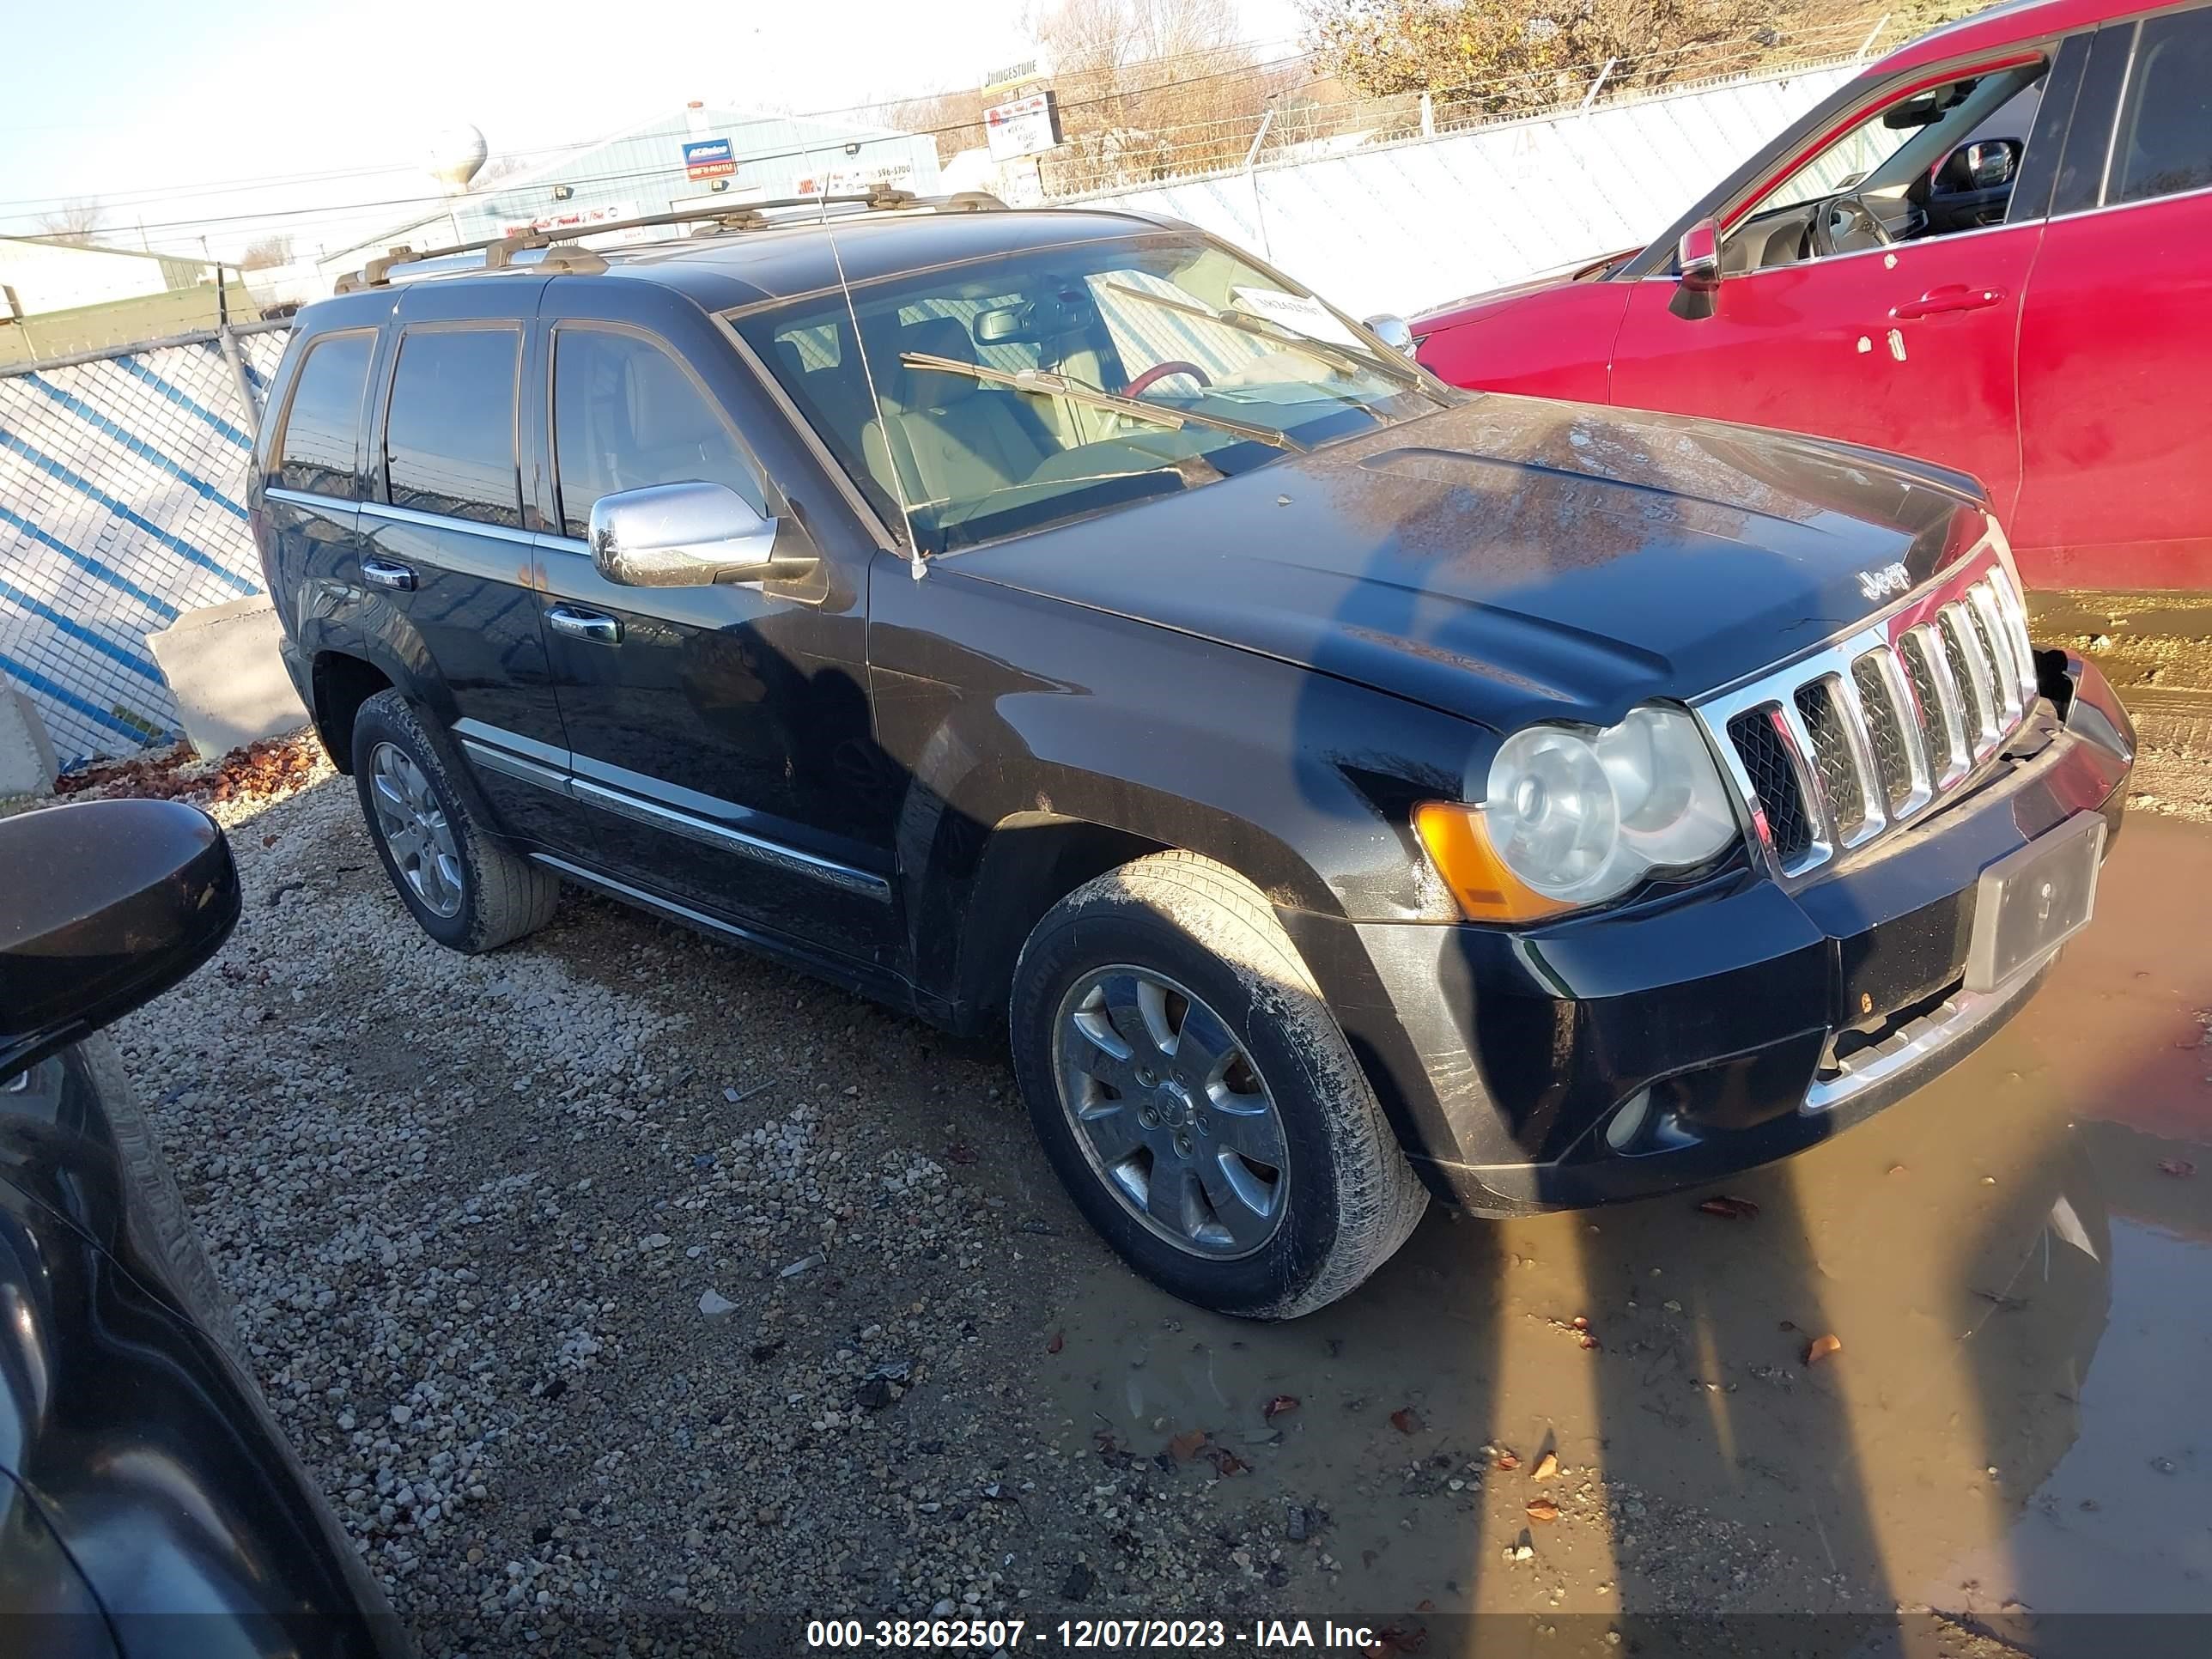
[{"x": 1515, "y": 559}]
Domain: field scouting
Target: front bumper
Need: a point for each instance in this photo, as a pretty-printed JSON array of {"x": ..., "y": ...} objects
[{"x": 1504, "y": 1057}]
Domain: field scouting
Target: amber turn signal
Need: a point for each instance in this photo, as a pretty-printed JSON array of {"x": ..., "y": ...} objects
[{"x": 1459, "y": 846}]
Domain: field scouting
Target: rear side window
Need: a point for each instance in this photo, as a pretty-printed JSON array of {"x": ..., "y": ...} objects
[
  {"x": 449, "y": 438},
  {"x": 626, "y": 415},
  {"x": 316, "y": 453},
  {"x": 2164, "y": 144}
]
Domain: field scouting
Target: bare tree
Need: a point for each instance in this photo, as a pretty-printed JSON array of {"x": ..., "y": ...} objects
[
  {"x": 75, "y": 221},
  {"x": 273, "y": 250}
]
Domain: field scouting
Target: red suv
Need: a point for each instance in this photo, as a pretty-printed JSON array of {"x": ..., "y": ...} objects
[{"x": 1993, "y": 249}]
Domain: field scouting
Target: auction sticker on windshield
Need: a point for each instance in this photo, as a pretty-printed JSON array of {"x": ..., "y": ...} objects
[{"x": 1303, "y": 312}]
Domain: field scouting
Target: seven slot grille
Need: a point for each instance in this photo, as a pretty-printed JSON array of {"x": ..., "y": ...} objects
[{"x": 1870, "y": 732}]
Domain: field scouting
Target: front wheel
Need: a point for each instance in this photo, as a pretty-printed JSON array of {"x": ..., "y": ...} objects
[{"x": 1197, "y": 1097}]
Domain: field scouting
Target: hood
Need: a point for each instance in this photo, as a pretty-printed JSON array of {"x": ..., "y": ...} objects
[
  {"x": 1514, "y": 559},
  {"x": 1480, "y": 305}
]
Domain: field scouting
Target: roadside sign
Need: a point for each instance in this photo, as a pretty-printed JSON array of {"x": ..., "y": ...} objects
[
  {"x": 708, "y": 158},
  {"x": 576, "y": 218},
  {"x": 1008, "y": 77},
  {"x": 1021, "y": 126}
]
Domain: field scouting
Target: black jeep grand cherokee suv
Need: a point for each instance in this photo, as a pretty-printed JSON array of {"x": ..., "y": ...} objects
[{"x": 1346, "y": 789}]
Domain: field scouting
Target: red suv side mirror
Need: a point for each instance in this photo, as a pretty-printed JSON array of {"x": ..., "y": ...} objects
[
  {"x": 1698, "y": 267},
  {"x": 1698, "y": 257}
]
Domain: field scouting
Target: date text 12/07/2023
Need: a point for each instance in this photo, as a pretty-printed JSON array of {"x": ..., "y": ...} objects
[{"x": 1007, "y": 1635}]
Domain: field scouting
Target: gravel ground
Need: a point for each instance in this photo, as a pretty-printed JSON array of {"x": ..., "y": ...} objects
[
  {"x": 619, "y": 1277},
  {"x": 619, "y": 1272}
]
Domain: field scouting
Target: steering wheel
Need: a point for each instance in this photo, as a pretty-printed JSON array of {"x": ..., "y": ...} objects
[
  {"x": 1160, "y": 372},
  {"x": 1845, "y": 224}
]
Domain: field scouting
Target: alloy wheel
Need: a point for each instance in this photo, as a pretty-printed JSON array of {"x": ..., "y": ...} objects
[
  {"x": 413, "y": 825},
  {"x": 1171, "y": 1113}
]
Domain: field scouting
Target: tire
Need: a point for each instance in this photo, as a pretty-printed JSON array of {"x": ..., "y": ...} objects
[
  {"x": 1156, "y": 946},
  {"x": 465, "y": 887}
]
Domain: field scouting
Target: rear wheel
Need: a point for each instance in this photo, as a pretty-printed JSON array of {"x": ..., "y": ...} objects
[
  {"x": 465, "y": 887},
  {"x": 1197, "y": 1097}
]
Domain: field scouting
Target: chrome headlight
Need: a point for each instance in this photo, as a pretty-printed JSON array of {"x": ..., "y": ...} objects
[{"x": 1572, "y": 816}]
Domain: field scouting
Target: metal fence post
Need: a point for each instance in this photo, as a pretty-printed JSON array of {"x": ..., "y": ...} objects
[
  {"x": 227, "y": 342},
  {"x": 1428, "y": 115},
  {"x": 1598, "y": 85},
  {"x": 1260, "y": 207}
]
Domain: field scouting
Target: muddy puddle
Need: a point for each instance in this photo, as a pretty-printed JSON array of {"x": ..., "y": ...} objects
[{"x": 2017, "y": 1264}]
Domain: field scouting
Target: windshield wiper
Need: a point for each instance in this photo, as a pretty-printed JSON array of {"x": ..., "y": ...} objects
[
  {"x": 1344, "y": 357},
  {"x": 1043, "y": 383}
]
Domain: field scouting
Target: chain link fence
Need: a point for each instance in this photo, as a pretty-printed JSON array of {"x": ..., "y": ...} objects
[
  {"x": 1315, "y": 116},
  {"x": 121, "y": 507}
]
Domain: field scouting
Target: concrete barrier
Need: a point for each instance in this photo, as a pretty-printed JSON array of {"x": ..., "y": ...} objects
[
  {"x": 223, "y": 669},
  {"x": 26, "y": 758}
]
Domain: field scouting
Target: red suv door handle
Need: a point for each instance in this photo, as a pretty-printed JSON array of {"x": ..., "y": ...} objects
[{"x": 1955, "y": 296}]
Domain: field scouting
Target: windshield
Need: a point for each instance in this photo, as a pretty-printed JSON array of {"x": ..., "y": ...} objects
[{"x": 1227, "y": 367}]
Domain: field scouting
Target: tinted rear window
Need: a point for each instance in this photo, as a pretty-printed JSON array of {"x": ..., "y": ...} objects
[
  {"x": 2165, "y": 143},
  {"x": 324, "y": 423},
  {"x": 449, "y": 439}
]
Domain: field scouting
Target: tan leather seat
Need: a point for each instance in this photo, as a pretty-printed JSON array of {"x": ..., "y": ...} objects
[{"x": 952, "y": 437}]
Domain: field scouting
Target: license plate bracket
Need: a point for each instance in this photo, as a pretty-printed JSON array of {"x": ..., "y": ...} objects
[{"x": 2031, "y": 902}]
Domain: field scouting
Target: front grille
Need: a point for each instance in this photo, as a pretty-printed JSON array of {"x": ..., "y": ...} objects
[
  {"x": 1870, "y": 732},
  {"x": 1885, "y": 733},
  {"x": 1831, "y": 756},
  {"x": 1766, "y": 755}
]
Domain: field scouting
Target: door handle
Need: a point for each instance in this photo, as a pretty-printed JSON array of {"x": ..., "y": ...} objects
[
  {"x": 595, "y": 626},
  {"x": 1955, "y": 297},
  {"x": 388, "y": 573}
]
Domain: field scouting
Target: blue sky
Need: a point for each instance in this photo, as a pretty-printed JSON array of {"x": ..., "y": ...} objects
[{"x": 302, "y": 111}]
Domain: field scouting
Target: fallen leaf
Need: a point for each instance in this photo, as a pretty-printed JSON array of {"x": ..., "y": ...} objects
[
  {"x": 1547, "y": 1467},
  {"x": 2177, "y": 1166},
  {"x": 1822, "y": 1347},
  {"x": 1543, "y": 1508},
  {"x": 1731, "y": 1209},
  {"x": 1281, "y": 1403},
  {"x": 1507, "y": 1461},
  {"x": 1226, "y": 1461},
  {"x": 1406, "y": 1420},
  {"x": 1059, "y": 1341},
  {"x": 1184, "y": 1447}
]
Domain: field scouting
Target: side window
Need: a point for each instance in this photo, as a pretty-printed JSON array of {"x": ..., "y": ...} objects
[
  {"x": 316, "y": 453},
  {"x": 1901, "y": 172},
  {"x": 626, "y": 415},
  {"x": 2164, "y": 143},
  {"x": 449, "y": 438}
]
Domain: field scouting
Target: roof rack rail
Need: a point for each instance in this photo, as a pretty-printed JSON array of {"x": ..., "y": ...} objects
[{"x": 499, "y": 251}]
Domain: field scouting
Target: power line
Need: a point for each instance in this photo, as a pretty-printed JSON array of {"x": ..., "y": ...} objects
[
  {"x": 230, "y": 186},
  {"x": 336, "y": 212}
]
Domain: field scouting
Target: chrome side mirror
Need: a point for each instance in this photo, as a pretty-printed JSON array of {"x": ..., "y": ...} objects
[
  {"x": 1698, "y": 257},
  {"x": 684, "y": 535},
  {"x": 1697, "y": 271},
  {"x": 1391, "y": 329}
]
